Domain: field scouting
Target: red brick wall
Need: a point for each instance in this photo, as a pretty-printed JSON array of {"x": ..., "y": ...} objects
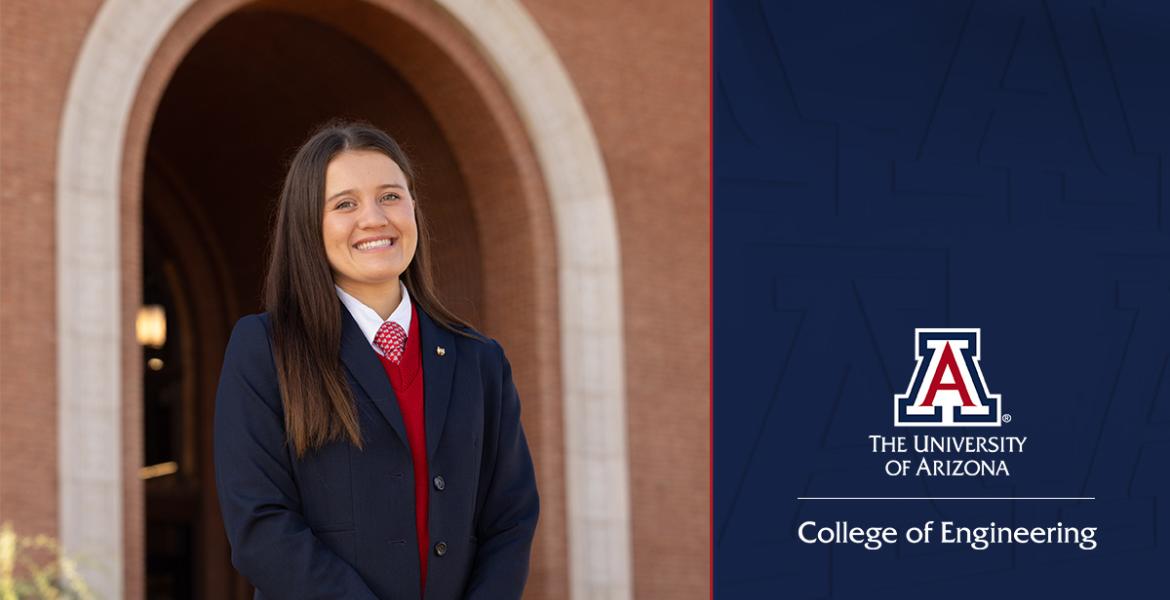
[
  {"x": 641, "y": 69},
  {"x": 38, "y": 44}
]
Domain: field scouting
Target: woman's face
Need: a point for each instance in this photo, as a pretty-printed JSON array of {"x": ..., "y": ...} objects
[{"x": 369, "y": 228}]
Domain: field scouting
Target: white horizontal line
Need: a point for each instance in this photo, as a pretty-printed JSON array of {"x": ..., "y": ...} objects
[{"x": 946, "y": 498}]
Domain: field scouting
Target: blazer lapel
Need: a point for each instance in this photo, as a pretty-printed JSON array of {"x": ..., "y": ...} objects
[
  {"x": 362, "y": 362},
  {"x": 438, "y": 376}
]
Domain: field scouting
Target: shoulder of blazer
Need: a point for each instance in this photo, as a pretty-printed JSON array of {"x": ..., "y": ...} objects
[
  {"x": 251, "y": 339},
  {"x": 485, "y": 348},
  {"x": 249, "y": 354},
  {"x": 472, "y": 345},
  {"x": 488, "y": 354}
]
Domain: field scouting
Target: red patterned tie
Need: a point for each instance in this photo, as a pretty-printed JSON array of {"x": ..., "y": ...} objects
[{"x": 392, "y": 340}]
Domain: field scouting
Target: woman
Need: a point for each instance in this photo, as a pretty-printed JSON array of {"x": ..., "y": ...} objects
[{"x": 367, "y": 442}]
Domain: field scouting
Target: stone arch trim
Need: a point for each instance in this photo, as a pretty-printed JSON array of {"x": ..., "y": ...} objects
[{"x": 91, "y": 321}]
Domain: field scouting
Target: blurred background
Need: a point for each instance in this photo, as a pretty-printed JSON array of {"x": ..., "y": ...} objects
[{"x": 563, "y": 151}]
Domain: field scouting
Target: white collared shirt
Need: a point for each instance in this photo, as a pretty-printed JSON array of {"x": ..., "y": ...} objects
[{"x": 369, "y": 321}]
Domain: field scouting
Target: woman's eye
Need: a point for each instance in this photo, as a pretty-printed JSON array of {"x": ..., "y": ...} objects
[
  {"x": 390, "y": 197},
  {"x": 345, "y": 204}
]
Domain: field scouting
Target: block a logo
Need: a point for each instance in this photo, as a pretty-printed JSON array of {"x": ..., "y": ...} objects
[{"x": 948, "y": 388}]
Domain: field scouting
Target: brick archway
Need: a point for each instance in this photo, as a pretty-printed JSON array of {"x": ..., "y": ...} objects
[{"x": 511, "y": 75}]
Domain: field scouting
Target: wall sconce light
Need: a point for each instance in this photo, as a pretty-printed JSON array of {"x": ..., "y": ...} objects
[{"x": 151, "y": 326}]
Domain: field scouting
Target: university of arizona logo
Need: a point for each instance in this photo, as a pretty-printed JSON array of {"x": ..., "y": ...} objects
[{"x": 947, "y": 389}]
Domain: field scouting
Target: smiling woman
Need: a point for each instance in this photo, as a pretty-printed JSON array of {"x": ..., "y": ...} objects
[
  {"x": 369, "y": 227},
  {"x": 355, "y": 376}
]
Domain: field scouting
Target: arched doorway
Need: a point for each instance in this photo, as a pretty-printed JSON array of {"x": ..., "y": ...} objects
[
  {"x": 530, "y": 166},
  {"x": 240, "y": 101}
]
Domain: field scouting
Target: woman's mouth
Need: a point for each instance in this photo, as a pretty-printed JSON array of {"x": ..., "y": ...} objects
[{"x": 374, "y": 244}]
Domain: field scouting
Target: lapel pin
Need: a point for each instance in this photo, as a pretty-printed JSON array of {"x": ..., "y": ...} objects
[{"x": 441, "y": 351}]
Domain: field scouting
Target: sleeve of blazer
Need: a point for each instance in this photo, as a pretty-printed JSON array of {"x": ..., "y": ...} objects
[
  {"x": 510, "y": 505},
  {"x": 271, "y": 543}
]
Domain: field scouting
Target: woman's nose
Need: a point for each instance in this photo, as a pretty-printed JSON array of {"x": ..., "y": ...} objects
[{"x": 372, "y": 216}]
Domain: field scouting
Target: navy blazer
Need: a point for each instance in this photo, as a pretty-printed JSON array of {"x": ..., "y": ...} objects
[{"x": 340, "y": 522}]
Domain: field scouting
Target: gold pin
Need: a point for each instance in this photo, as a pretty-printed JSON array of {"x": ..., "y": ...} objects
[{"x": 441, "y": 351}]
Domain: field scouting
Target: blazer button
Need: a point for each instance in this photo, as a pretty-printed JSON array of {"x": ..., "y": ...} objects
[
  {"x": 440, "y": 483},
  {"x": 441, "y": 548}
]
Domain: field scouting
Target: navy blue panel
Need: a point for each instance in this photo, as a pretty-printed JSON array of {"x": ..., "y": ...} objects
[{"x": 886, "y": 166}]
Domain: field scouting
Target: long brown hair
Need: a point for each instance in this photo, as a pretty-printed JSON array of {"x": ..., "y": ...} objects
[{"x": 300, "y": 299}]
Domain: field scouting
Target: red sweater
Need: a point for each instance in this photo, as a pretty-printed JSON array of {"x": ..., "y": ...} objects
[{"x": 407, "y": 380}]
